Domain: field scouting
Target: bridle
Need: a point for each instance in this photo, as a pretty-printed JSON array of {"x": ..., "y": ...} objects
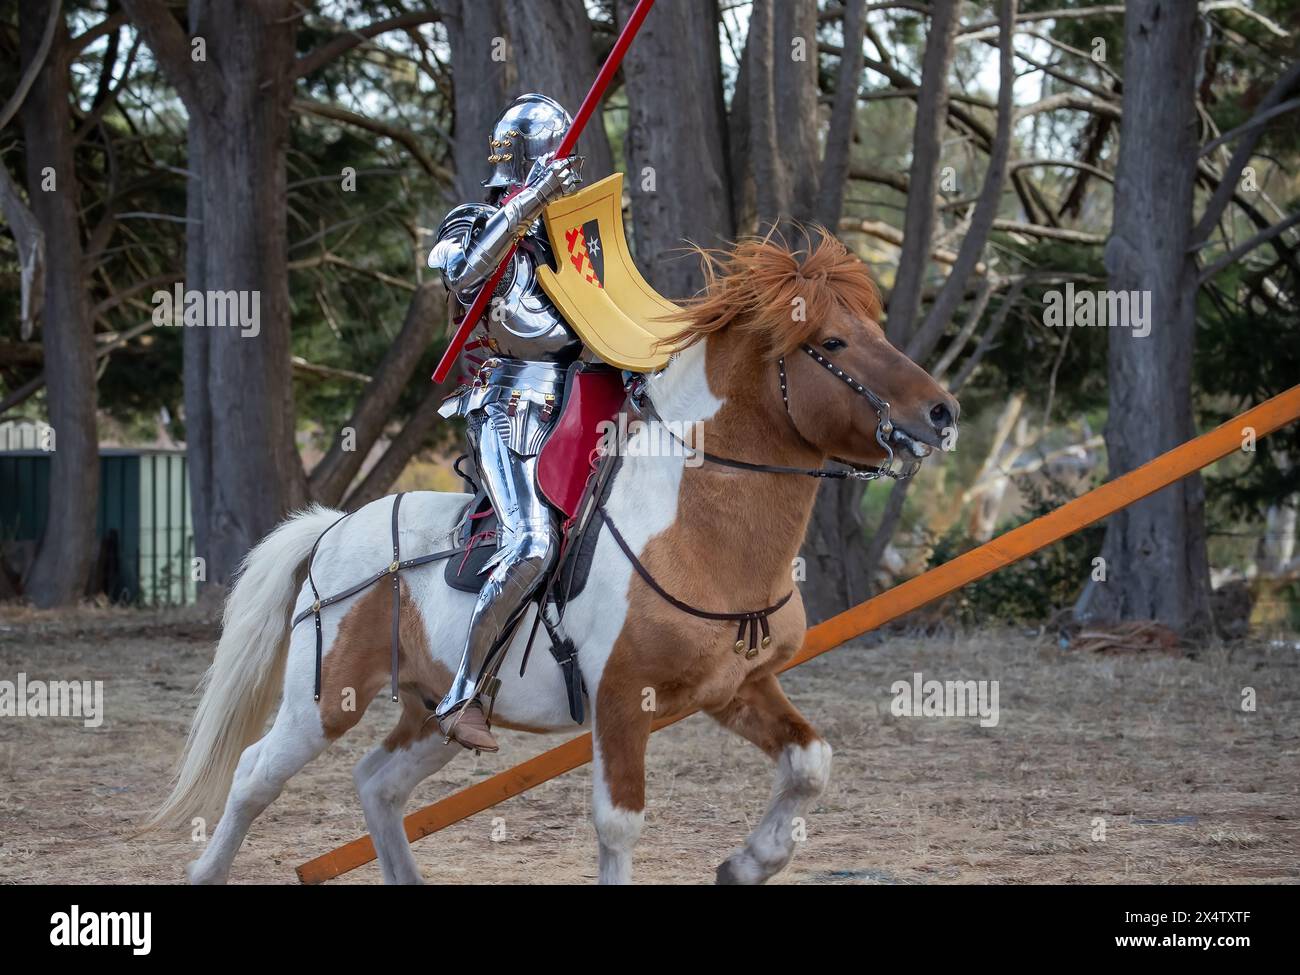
[
  {"x": 884, "y": 423},
  {"x": 640, "y": 403}
]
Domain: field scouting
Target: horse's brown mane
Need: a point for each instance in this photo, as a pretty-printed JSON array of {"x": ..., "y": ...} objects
[{"x": 754, "y": 287}]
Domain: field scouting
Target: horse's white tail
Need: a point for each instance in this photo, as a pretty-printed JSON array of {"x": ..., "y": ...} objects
[{"x": 242, "y": 685}]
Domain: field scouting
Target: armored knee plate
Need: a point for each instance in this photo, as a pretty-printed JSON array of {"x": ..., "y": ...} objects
[{"x": 516, "y": 571}]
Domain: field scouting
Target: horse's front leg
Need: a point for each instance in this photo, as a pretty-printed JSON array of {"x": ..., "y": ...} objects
[
  {"x": 761, "y": 713},
  {"x": 620, "y": 729}
]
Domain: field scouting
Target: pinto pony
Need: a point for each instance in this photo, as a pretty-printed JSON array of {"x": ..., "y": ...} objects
[{"x": 714, "y": 536}]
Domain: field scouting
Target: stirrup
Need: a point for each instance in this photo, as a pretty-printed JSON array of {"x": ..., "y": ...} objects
[{"x": 473, "y": 736}]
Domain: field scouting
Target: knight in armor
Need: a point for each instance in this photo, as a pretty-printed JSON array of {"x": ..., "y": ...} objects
[{"x": 515, "y": 395}]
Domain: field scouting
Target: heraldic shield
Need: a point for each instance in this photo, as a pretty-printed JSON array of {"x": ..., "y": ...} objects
[{"x": 598, "y": 289}]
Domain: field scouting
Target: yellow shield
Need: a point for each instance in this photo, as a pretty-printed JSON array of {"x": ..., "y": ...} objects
[{"x": 598, "y": 289}]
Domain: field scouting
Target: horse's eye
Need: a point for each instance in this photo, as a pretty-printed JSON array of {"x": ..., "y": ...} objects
[{"x": 834, "y": 345}]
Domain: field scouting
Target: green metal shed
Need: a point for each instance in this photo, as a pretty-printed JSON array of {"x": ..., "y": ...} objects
[{"x": 145, "y": 529}]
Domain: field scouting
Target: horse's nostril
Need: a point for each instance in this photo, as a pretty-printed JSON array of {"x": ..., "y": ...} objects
[{"x": 941, "y": 416}]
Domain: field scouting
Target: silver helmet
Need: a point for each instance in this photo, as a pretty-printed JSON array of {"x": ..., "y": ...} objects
[{"x": 531, "y": 127}]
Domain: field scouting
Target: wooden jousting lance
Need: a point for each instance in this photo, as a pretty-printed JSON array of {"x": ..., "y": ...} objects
[{"x": 570, "y": 140}]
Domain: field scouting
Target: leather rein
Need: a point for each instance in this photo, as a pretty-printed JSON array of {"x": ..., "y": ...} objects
[{"x": 754, "y": 621}]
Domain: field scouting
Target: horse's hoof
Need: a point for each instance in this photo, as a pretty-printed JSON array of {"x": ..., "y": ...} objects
[
  {"x": 726, "y": 874},
  {"x": 197, "y": 878}
]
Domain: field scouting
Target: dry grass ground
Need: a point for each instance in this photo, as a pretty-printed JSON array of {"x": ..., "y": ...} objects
[{"x": 1191, "y": 788}]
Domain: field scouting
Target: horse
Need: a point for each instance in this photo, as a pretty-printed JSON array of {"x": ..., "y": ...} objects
[{"x": 780, "y": 365}]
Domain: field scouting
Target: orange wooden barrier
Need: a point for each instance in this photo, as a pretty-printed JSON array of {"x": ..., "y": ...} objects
[{"x": 912, "y": 594}]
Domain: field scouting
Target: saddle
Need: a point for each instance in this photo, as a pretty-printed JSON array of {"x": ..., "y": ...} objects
[
  {"x": 593, "y": 394},
  {"x": 476, "y": 542}
]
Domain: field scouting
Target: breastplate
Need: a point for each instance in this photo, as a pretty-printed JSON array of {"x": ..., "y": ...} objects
[{"x": 521, "y": 321}]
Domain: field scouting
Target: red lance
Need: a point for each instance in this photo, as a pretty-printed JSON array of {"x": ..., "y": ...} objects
[{"x": 589, "y": 104}]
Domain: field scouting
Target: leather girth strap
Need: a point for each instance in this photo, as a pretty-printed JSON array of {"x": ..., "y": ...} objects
[{"x": 396, "y": 569}]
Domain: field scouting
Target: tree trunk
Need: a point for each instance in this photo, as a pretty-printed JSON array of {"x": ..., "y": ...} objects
[
  {"x": 740, "y": 167},
  {"x": 919, "y": 220},
  {"x": 844, "y": 114},
  {"x": 241, "y": 384},
  {"x": 770, "y": 180},
  {"x": 676, "y": 152},
  {"x": 780, "y": 76},
  {"x": 794, "y": 75},
  {"x": 923, "y": 339},
  {"x": 482, "y": 88},
  {"x": 552, "y": 45},
  {"x": 194, "y": 370},
  {"x": 834, "y": 550},
  {"x": 1155, "y": 553},
  {"x": 919, "y": 340},
  {"x": 69, "y": 545}
]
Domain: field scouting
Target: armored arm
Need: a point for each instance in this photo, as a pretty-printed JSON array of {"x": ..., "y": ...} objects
[{"x": 467, "y": 259}]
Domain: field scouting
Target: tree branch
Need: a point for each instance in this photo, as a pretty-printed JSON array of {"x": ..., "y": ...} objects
[
  {"x": 91, "y": 34},
  {"x": 27, "y": 389},
  {"x": 110, "y": 97},
  {"x": 986, "y": 340},
  {"x": 1245, "y": 127},
  {"x": 963, "y": 337},
  {"x": 892, "y": 235},
  {"x": 982, "y": 220},
  {"x": 38, "y": 61},
  {"x": 412, "y": 438},
  {"x": 329, "y": 372},
  {"x": 336, "y": 47},
  {"x": 331, "y": 477},
  {"x": 31, "y": 251},
  {"x": 897, "y": 180},
  {"x": 404, "y": 137},
  {"x": 1282, "y": 90},
  {"x": 1052, "y": 233},
  {"x": 171, "y": 48},
  {"x": 119, "y": 297},
  {"x": 1048, "y": 69},
  {"x": 1247, "y": 246},
  {"x": 1065, "y": 164},
  {"x": 1069, "y": 100},
  {"x": 1104, "y": 10}
]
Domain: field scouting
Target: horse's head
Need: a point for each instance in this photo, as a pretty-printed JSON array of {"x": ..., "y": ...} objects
[{"x": 795, "y": 333}]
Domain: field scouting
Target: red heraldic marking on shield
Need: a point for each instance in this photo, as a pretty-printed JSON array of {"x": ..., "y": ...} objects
[{"x": 587, "y": 252}]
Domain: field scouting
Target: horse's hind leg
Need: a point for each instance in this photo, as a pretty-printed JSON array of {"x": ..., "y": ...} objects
[
  {"x": 266, "y": 765},
  {"x": 385, "y": 779},
  {"x": 761, "y": 713}
]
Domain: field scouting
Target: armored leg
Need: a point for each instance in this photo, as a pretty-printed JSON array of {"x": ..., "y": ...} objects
[{"x": 529, "y": 546}]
